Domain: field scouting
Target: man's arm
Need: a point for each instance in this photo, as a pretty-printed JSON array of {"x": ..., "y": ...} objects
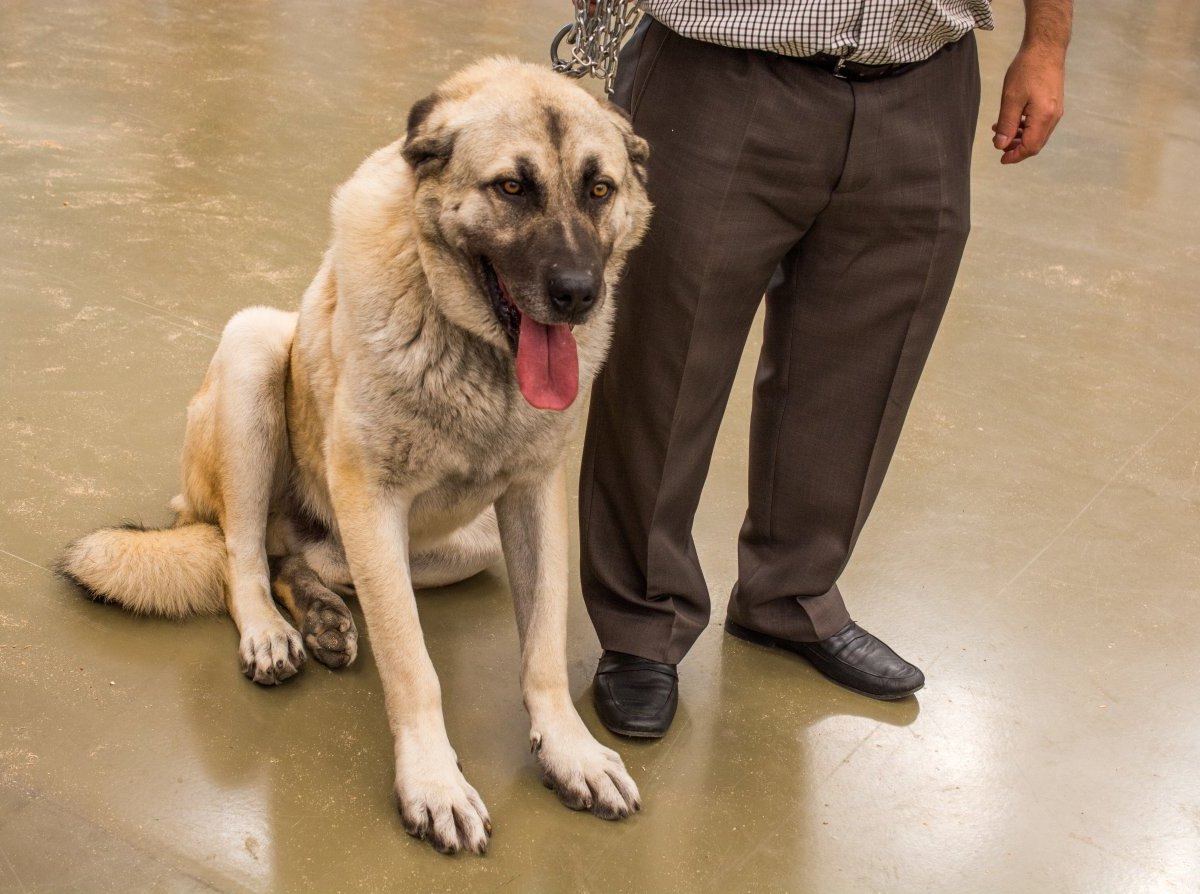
[{"x": 1031, "y": 103}]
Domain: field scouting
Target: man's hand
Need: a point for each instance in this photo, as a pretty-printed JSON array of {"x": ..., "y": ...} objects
[{"x": 1031, "y": 103}]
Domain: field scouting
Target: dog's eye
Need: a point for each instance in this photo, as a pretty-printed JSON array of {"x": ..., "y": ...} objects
[
  {"x": 601, "y": 191},
  {"x": 511, "y": 187}
]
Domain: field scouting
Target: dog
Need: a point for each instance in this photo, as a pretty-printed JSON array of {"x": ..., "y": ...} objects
[{"x": 408, "y": 426}]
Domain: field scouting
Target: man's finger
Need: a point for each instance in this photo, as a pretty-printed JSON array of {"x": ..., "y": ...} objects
[
  {"x": 1015, "y": 138},
  {"x": 1006, "y": 126},
  {"x": 1038, "y": 129},
  {"x": 1018, "y": 152}
]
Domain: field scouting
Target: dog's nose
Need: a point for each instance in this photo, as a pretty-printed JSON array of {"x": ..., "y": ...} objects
[{"x": 572, "y": 292}]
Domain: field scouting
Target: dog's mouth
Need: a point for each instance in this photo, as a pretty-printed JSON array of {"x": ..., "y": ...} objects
[
  {"x": 547, "y": 358},
  {"x": 507, "y": 314}
]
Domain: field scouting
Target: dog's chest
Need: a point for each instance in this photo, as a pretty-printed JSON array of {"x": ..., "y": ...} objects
[
  {"x": 464, "y": 480},
  {"x": 466, "y": 441},
  {"x": 446, "y": 421}
]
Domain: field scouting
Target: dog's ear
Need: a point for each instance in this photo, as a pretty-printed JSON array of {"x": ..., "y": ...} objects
[
  {"x": 426, "y": 149},
  {"x": 638, "y": 149},
  {"x": 639, "y": 154}
]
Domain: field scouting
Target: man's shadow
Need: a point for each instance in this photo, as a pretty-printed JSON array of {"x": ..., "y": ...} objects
[{"x": 742, "y": 775}]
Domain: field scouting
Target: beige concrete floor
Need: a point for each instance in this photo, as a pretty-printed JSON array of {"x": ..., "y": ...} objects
[{"x": 1036, "y": 548}]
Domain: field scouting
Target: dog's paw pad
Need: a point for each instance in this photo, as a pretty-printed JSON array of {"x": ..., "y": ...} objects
[{"x": 330, "y": 634}]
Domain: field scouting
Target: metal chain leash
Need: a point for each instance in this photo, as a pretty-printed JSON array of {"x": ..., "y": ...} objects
[{"x": 595, "y": 36}]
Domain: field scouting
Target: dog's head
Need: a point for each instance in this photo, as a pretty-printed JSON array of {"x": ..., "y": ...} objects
[{"x": 529, "y": 193}]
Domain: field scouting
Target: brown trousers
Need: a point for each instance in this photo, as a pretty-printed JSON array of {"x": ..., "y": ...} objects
[{"x": 849, "y": 204}]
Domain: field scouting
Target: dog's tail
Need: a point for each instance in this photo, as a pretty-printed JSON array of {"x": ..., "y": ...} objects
[{"x": 173, "y": 572}]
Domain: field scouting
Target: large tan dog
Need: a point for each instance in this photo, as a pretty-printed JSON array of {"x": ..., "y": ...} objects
[{"x": 410, "y": 422}]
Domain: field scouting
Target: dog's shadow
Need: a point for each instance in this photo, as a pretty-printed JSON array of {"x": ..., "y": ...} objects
[
  {"x": 320, "y": 741},
  {"x": 754, "y": 753}
]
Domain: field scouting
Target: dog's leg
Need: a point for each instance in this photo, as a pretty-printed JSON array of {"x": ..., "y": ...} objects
[
  {"x": 249, "y": 371},
  {"x": 533, "y": 529},
  {"x": 463, "y": 554},
  {"x": 320, "y": 614},
  {"x": 436, "y": 801}
]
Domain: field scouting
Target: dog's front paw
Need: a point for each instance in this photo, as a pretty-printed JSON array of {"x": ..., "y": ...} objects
[
  {"x": 438, "y": 805},
  {"x": 585, "y": 774},
  {"x": 271, "y": 651}
]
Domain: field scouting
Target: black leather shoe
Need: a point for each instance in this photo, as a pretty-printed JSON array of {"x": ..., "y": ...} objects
[
  {"x": 635, "y": 696},
  {"x": 851, "y": 657}
]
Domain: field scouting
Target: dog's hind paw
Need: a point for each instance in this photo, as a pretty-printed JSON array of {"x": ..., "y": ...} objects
[
  {"x": 330, "y": 634},
  {"x": 271, "y": 652}
]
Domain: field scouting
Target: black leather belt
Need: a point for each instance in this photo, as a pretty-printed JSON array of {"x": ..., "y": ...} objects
[{"x": 840, "y": 67}]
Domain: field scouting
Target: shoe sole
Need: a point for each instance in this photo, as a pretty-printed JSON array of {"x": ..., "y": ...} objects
[
  {"x": 634, "y": 734},
  {"x": 769, "y": 642}
]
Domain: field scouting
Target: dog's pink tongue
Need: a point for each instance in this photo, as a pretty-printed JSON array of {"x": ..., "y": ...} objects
[{"x": 547, "y": 364}]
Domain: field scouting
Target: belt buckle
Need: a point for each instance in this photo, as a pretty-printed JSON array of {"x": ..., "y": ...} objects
[{"x": 837, "y": 69}]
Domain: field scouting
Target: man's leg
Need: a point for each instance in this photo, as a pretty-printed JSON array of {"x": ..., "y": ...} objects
[
  {"x": 848, "y": 329},
  {"x": 746, "y": 148},
  {"x": 741, "y": 160}
]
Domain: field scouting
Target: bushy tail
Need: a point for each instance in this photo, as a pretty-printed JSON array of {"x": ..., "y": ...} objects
[{"x": 173, "y": 572}]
